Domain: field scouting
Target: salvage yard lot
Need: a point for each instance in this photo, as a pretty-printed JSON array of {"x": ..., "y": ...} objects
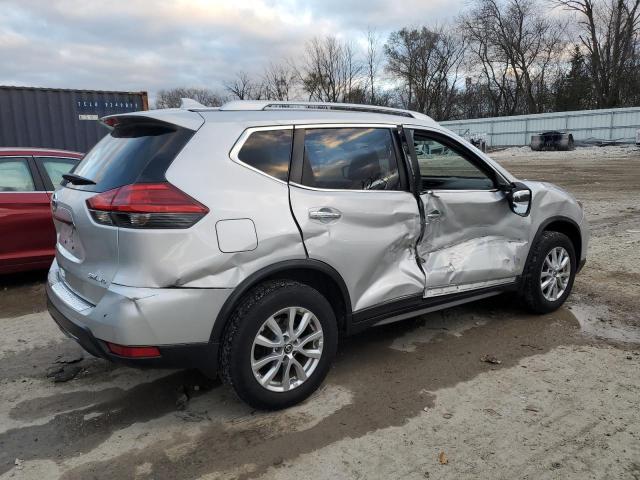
[{"x": 407, "y": 400}]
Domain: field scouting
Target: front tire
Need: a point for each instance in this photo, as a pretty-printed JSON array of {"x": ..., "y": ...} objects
[
  {"x": 549, "y": 273},
  {"x": 279, "y": 344}
]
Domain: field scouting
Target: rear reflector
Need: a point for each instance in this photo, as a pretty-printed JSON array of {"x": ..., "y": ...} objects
[
  {"x": 146, "y": 205},
  {"x": 133, "y": 352}
]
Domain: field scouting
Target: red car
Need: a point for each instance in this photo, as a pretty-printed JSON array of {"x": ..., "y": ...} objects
[{"x": 28, "y": 177}]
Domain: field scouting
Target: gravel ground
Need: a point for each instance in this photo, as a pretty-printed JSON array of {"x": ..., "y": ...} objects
[{"x": 407, "y": 400}]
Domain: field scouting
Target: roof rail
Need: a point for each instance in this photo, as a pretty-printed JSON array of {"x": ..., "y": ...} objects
[{"x": 256, "y": 105}]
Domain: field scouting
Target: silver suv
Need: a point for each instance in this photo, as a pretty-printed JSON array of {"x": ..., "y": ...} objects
[{"x": 246, "y": 239}]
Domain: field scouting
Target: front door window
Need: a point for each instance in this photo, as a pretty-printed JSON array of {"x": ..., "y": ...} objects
[{"x": 443, "y": 167}]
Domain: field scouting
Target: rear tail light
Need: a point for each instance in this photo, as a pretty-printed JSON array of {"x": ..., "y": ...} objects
[
  {"x": 133, "y": 352},
  {"x": 146, "y": 205}
]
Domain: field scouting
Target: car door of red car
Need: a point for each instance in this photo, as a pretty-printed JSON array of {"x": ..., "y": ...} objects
[{"x": 26, "y": 228}]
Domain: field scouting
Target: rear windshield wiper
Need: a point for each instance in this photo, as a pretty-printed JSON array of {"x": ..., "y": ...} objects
[{"x": 77, "y": 179}]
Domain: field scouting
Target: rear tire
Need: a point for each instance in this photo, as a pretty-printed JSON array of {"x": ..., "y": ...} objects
[
  {"x": 279, "y": 344},
  {"x": 549, "y": 273}
]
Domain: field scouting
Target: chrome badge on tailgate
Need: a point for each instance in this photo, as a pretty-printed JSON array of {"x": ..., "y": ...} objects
[{"x": 97, "y": 277}]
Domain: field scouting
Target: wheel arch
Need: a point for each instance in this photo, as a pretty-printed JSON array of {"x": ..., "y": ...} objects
[
  {"x": 571, "y": 230},
  {"x": 314, "y": 273},
  {"x": 564, "y": 225}
]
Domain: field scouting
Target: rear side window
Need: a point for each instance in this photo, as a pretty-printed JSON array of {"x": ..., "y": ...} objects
[
  {"x": 15, "y": 176},
  {"x": 132, "y": 152},
  {"x": 268, "y": 151},
  {"x": 350, "y": 159},
  {"x": 54, "y": 168}
]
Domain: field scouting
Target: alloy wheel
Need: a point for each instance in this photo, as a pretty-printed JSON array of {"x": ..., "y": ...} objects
[
  {"x": 555, "y": 274},
  {"x": 287, "y": 349}
]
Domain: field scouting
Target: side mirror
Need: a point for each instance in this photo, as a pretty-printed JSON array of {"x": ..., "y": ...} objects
[{"x": 519, "y": 197}]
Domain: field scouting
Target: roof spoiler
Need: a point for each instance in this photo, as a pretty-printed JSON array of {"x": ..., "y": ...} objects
[
  {"x": 176, "y": 117},
  {"x": 190, "y": 104}
]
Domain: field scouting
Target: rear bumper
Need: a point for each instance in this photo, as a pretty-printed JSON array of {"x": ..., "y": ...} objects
[
  {"x": 198, "y": 355},
  {"x": 177, "y": 321},
  {"x": 80, "y": 334}
]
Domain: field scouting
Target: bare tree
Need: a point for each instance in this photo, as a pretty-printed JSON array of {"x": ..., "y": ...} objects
[
  {"x": 489, "y": 70},
  {"x": 426, "y": 63},
  {"x": 373, "y": 60},
  {"x": 609, "y": 32},
  {"x": 489, "y": 63},
  {"x": 516, "y": 57},
  {"x": 330, "y": 71},
  {"x": 171, "y": 98},
  {"x": 279, "y": 81},
  {"x": 243, "y": 87},
  {"x": 516, "y": 47}
]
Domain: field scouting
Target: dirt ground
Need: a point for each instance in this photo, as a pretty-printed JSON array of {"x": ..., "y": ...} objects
[{"x": 410, "y": 400}]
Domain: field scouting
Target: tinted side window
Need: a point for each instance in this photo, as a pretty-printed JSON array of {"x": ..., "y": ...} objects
[
  {"x": 56, "y": 167},
  {"x": 443, "y": 168},
  {"x": 15, "y": 176},
  {"x": 268, "y": 151},
  {"x": 350, "y": 159}
]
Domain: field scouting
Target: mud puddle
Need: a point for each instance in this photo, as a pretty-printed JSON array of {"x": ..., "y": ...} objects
[{"x": 596, "y": 321}]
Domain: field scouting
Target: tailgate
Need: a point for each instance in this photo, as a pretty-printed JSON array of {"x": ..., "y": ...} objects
[
  {"x": 138, "y": 150},
  {"x": 87, "y": 253}
]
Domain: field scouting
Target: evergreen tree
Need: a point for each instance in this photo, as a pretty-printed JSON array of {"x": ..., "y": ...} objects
[{"x": 574, "y": 90}]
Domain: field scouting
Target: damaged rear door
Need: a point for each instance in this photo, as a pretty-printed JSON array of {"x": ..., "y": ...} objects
[
  {"x": 472, "y": 239},
  {"x": 349, "y": 195}
]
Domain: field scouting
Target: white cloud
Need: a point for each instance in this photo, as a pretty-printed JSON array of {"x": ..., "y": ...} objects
[{"x": 153, "y": 44}]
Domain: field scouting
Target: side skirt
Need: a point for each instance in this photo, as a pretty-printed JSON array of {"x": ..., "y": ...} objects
[{"x": 413, "y": 306}]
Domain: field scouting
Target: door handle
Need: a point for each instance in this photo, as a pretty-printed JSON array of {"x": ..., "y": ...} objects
[
  {"x": 324, "y": 214},
  {"x": 434, "y": 215}
]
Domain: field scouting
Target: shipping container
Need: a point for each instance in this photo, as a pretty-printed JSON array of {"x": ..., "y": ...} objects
[{"x": 60, "y": 118}]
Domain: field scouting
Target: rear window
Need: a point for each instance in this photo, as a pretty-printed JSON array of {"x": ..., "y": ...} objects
[
  {"x": 268, "y": 151},
  {"x": 132, "y": 152}
]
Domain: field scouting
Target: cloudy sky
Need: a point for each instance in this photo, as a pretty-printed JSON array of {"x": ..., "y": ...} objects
[{"x": 154, "y": 44}]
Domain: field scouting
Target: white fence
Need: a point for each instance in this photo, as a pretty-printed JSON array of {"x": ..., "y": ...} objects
[{"x": 618, "y": 124}]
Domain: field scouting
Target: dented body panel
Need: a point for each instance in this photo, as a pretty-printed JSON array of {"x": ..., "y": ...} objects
[
  {"x": 141, "y": 316},
  {"x": 476, "y": 238},
  {"x": 372, "y": 244},
  {"x": 478, "y": 242},
  {"x": 472, "y": 239}
]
